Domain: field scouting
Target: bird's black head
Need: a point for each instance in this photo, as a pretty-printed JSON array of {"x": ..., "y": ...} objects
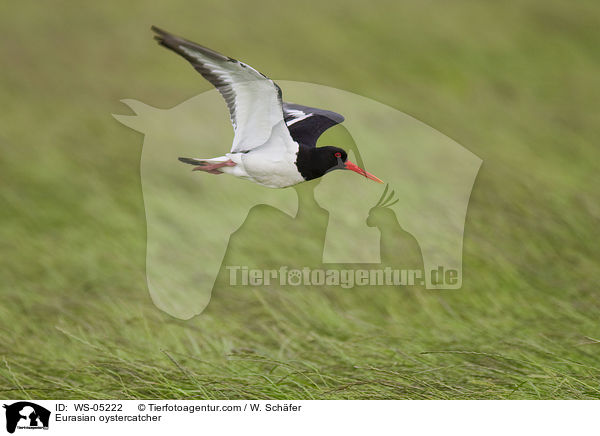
[
  {"x": 314, "y": 162},
  {"x": 331, "y": 158}
]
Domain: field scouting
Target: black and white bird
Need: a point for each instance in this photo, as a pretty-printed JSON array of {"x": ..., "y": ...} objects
[{"x": 275, "y": 143}]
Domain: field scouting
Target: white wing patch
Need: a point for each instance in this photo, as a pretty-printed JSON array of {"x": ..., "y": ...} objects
[
  {"x": 254, "y": 101},
  {"x": 297, "y": 115}
]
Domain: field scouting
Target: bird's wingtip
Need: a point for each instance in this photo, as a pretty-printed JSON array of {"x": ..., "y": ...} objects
[
  {"x": 157, "y": 29},
  {"x": 160, "y": 34}
]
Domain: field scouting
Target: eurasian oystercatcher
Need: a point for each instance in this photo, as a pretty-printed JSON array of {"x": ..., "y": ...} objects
[{"x": 275, "y": 142}]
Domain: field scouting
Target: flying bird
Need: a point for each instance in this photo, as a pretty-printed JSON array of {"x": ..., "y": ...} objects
[{"x": 275, "y": 142}]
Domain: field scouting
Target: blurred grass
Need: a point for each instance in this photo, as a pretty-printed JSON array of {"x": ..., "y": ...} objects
[{"x": 517, "y": 84}]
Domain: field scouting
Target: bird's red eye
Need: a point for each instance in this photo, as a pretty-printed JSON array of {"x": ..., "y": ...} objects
[{"x": 338, "y": 154}]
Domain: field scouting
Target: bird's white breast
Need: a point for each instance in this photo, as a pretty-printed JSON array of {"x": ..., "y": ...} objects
[{"x": 273, "y": 164}]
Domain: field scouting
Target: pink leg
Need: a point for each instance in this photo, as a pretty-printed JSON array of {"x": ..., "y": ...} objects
[{"x": 213, "y": 168}]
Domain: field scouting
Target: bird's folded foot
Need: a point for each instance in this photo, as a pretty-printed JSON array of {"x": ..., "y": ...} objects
[{"x": 213, "y": 167}]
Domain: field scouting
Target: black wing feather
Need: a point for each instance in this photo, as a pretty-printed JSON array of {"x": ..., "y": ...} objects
[{"x": 306, "y": 123}]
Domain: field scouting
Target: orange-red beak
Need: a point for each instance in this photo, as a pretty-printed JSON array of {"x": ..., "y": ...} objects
[{"x": 353, "y": 167}]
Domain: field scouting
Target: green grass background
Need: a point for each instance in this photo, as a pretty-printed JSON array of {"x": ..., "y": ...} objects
[{"x": 517, "y": 83}]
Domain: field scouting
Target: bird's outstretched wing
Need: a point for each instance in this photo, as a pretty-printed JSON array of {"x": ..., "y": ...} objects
[
  {"x": 254, "y": 100},
  {"x": 306, "y": 124}
]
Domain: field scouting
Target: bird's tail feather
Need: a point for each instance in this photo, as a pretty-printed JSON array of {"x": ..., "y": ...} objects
[{"x": 202, "y": 162}]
